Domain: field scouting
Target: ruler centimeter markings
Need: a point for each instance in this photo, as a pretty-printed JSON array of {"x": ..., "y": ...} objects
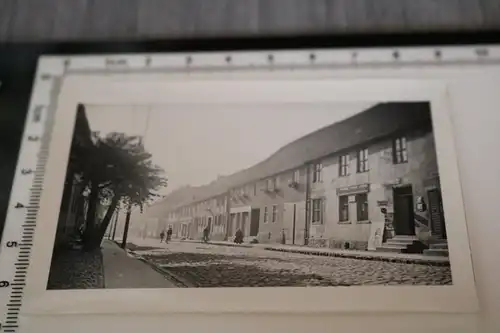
[
  {"x": 17, "y": 239},
  {"x": 20, "y": 227}
]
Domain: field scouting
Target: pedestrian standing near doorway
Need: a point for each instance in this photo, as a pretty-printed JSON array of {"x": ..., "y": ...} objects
[
  {"x": 169, "y": 234},
  {"x": 162, "y": 236}
]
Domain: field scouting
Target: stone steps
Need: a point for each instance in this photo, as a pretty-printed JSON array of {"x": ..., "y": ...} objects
[
  {"x": 436, "y": 252},
  {"x": 439, "y": 246},
  {"x": 391, "y": 248},
  {"x": 400, "y": 244}
]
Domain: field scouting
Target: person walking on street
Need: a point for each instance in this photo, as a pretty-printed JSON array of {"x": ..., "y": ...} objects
[
  {"x": 169, "y": 234},
  {"x": 206, "y": 231},
  {"x": 162, "y": 236}
]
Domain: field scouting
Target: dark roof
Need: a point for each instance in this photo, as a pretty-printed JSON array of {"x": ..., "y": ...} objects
[{"x": 379, "y": 121}]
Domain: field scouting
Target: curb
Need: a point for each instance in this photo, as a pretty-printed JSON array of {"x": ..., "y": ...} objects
[
  {"x": 180, "y": 282},
  {"x": 362, "y": 257},
  {"x": 339, "y": 255},
  {"x": 218, "y": 244},
  {"x": 415, "y": 261}
]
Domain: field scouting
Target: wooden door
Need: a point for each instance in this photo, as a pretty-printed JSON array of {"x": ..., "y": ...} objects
[
  {"x": 254, "y": 222},
  {"x": 300, "y": 222},
  {"x": 209, "y": 225},
  {"x": 438, "y": 227},
  {"x": 230, "y": 225},
  {"x": 404, "y": 219},
  {"x": 289, "y": 220},
  {"x": 244, "y": 222}
]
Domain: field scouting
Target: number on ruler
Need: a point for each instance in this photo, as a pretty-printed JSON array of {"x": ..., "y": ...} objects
[
  {"x": 4, "y": 284},
  {"x": 26, "y": 171},
  {"x": 33, "y": 138},
  {"x": 116, "y": 62},
  {"x": 19, "y": 205},
  {"x": 11, "y": 244},
  {"x": 37, "y": 113},
  {"x": 482, "y": 52}
]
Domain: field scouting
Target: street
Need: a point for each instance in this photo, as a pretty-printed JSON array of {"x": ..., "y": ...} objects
[{"x": 207, "y": 265}]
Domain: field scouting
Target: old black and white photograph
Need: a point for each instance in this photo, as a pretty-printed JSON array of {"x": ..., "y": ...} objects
[{"x": 305, "y": 195}]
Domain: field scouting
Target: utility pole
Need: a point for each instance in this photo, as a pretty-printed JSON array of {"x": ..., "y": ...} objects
[
  {"x": 116, "y": 223},
  {"x": 127, "y": 222},
  {"x": 308, "y": 204}
]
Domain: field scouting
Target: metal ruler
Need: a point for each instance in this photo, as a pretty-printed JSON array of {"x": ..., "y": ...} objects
[{"x": 17, "y": 241}]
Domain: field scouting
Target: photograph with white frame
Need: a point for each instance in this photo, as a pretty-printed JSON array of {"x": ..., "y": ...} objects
[{"x": 253, "y": 160}]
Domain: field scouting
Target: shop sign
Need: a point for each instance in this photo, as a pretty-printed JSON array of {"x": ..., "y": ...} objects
[{"x": 355, "y": 189}]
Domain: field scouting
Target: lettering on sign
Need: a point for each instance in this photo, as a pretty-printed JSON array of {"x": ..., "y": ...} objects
[
  {"x": 355, "y": 189},
  {"x": 381, "y": 203}
]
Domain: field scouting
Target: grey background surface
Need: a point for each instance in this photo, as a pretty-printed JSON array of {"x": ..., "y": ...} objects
[{"x": 56, "y": 20}]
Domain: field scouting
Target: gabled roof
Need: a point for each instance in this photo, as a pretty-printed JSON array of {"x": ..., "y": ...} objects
[{"x": 379, "y": 121}]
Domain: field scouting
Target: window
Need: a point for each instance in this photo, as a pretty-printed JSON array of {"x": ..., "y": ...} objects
[
  {"x": 266, "y": 215},
  {"x": 317, "y": 211},
  {"x": 275, "y": 213},
  {"x": 363, "y": 160},
  {"x": 276, "y": 183},
  {"x": 296, "y": 176},
  {"x": 255, "y": 189},
  {"x": 400, "y": 154},
  {"x": 343, "y": 208},
  {"x": 362, "y": 207},
  {"x": 344, "y": 165},
  {"x": 317, "y": 173},
  {"x": 269, "y": 184}
]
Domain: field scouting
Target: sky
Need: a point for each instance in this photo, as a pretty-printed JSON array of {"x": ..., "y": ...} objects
[{"x": 194, "y": 146}]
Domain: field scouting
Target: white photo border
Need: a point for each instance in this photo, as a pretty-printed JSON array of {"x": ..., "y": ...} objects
[{"x": 258, "y": 86}]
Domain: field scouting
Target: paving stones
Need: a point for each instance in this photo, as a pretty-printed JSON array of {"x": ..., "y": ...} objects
[
  {"x": 219, "y": 266},
  {"x": 76, "y": 270}
]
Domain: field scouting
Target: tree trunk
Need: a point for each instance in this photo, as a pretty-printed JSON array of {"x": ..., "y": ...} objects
[
  {"x": 107, "y": 219},
  {"x": 125, "y": 230},
  {"x": 89, "y": 240}
]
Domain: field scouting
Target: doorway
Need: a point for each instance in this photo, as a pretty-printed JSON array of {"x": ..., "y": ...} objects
[
  {"x": 404, "y": 219},
  {"x": 436, "y": 213},
  {"x": 254, "y": 222},
  {"x": 230, "y": 225},
  {"x": 244, "y": 222},
  {"x": 209, "y": 225},
  {"x": 294, "y": 222}
]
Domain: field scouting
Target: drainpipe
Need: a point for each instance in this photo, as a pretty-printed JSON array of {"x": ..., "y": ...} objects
[{"x": 308, "y": 199}]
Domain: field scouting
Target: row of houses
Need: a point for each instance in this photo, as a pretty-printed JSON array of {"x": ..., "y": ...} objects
[{"x": 324, "y": 189}]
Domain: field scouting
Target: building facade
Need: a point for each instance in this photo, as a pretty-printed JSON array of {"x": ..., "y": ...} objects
[
  {"x": 357, "y": 184},
  {"x": 327, "y": 188}
]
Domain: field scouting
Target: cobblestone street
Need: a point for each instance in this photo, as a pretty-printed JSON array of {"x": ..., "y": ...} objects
[{"x": 207, "y": 265}]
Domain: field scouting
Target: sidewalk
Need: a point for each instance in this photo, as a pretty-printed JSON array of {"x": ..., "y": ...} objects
[
  {"x": 123, "y": 271},
  {"x": 353, "y": 254}
]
